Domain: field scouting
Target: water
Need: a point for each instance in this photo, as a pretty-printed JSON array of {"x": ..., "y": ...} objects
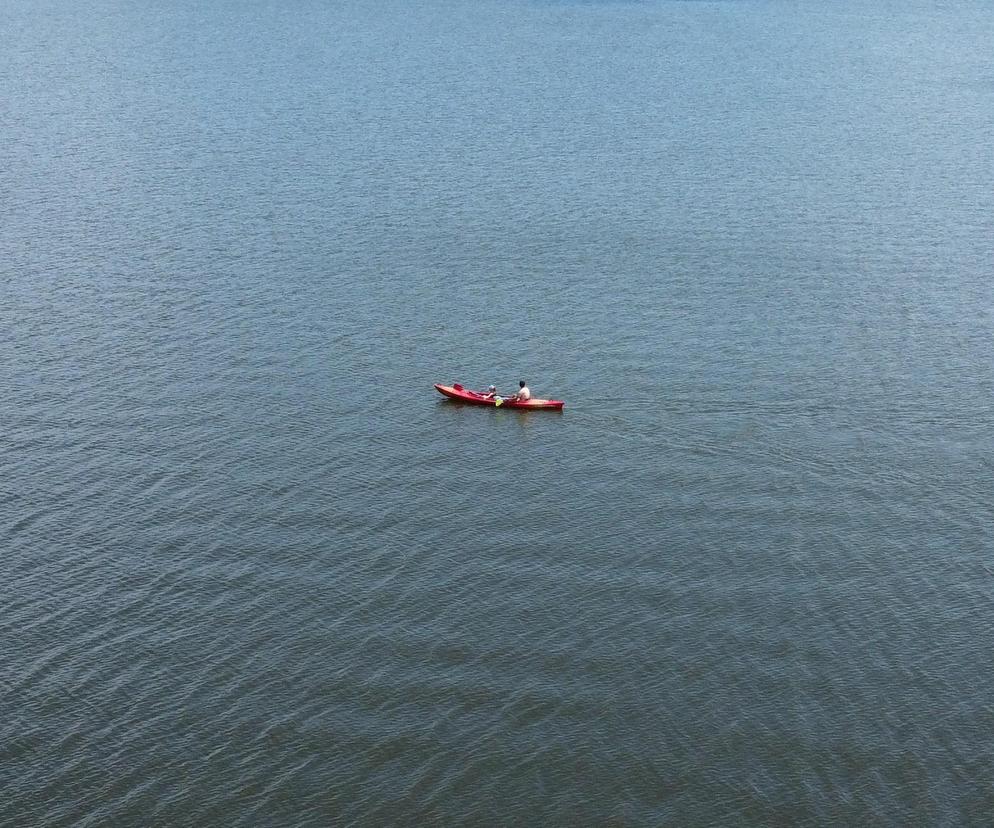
[{"x": 256, "y": 572}]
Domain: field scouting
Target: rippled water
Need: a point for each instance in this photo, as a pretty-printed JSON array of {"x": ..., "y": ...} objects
[{"x": 256, "y": 572}]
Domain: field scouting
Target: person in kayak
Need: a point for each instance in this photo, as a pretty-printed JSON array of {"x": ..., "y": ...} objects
[
  {"x": 490, "y": 393},
  {"x": 523, "y": 394}
]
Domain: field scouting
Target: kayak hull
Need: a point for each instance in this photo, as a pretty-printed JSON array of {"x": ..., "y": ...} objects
[{"x": 464, "y": 395}]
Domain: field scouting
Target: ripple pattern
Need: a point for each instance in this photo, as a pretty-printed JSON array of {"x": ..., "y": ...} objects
[{"x": 255, "y": 573}]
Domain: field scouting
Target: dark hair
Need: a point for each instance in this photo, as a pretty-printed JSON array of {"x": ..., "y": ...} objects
[{"x": 521, "y": 383}]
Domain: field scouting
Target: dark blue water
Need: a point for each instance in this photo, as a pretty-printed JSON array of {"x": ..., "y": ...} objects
[{"x": 256, "y": 572}]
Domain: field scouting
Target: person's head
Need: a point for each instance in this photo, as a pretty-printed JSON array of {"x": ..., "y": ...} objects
[
  {"x": 492, "y": 388},
  {"x": 521, "y": 383}
]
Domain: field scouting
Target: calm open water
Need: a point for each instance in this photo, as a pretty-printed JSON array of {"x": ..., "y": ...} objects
[{"x": 256, "y": 572}]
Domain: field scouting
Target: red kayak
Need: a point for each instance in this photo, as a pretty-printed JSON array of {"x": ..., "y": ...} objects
[{"x": 464, "y": 395}]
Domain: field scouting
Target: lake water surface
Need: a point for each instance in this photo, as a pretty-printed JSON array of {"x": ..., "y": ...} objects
[{"x": 255, "y": 571}]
